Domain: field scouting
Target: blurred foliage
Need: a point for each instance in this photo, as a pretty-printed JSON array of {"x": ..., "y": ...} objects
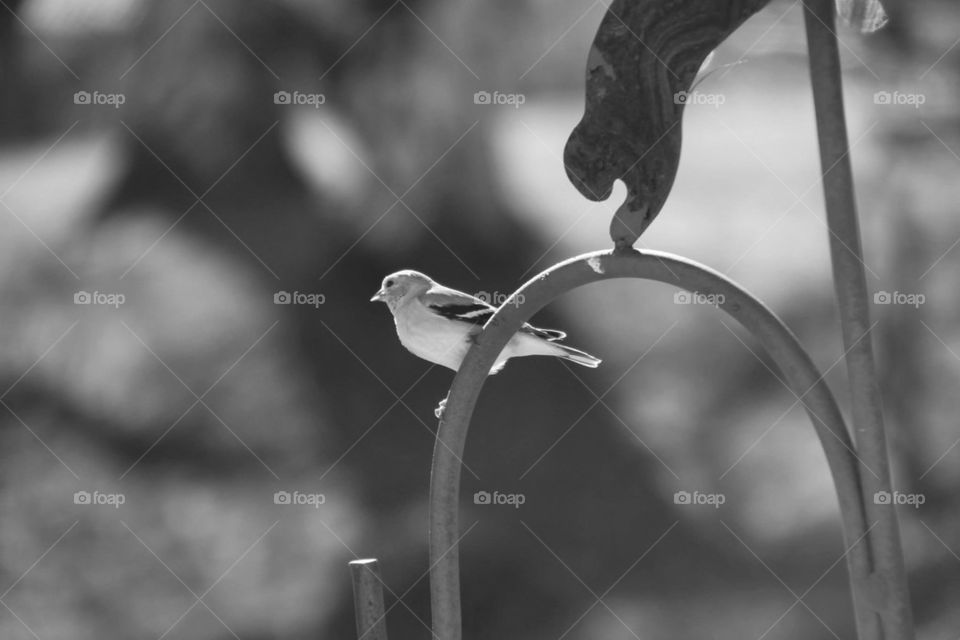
[{"x": 198, "y": 398}]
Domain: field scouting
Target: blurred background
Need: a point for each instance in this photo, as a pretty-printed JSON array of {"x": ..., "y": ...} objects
[{"x": 204, "y": 419}]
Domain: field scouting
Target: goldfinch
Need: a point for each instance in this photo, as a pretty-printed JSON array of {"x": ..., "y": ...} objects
[{"x": 439, "y": 324}]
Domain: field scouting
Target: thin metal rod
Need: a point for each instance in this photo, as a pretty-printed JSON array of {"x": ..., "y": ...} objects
[
  {"x": 801, "y": 376},
  {"x": 368, "y": 600},
  {"x": 889, "y": 593}
]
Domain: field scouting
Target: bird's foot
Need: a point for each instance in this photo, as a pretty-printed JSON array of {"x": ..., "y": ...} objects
[{"x": 438, "y": 412}]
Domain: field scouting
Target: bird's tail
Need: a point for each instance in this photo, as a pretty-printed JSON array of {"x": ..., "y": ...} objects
[{"x": 575, "y": 355}]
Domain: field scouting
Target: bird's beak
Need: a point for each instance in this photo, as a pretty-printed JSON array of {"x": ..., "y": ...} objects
[{"x": 379, "y": 295}]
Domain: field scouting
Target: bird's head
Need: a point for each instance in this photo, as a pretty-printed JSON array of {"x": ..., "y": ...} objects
[{"x": 401, "y": 286}]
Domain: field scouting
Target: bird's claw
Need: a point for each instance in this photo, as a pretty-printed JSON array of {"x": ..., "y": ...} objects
[{"x": 438, "y": 412}]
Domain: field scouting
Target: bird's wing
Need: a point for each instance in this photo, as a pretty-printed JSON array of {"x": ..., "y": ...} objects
[
  {"x": 457, "y": 305},
  {"x": 550, "y": 335}
]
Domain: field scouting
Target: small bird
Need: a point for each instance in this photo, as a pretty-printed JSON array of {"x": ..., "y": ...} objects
[{"x": 439, "y": 324}]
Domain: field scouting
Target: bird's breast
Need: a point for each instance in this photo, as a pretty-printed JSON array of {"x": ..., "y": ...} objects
[{"x": 432, "y": 337}]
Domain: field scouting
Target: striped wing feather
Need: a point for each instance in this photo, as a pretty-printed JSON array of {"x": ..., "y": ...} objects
[{"x": 456, "y": 305}]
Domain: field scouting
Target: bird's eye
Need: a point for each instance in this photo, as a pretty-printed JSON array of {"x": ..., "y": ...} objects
[{"x": 389, "y": 283}]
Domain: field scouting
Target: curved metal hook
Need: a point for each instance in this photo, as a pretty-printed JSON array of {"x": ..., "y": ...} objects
[{"x": 802, "y": 376}]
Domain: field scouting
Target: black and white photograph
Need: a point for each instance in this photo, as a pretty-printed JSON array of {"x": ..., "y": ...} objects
[{"x": 479, "y": 319}]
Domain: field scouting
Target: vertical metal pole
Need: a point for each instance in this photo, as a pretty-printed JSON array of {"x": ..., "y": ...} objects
[
  {"x": 368, "y": 600},
  {"x": 889, "y": 575}
]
